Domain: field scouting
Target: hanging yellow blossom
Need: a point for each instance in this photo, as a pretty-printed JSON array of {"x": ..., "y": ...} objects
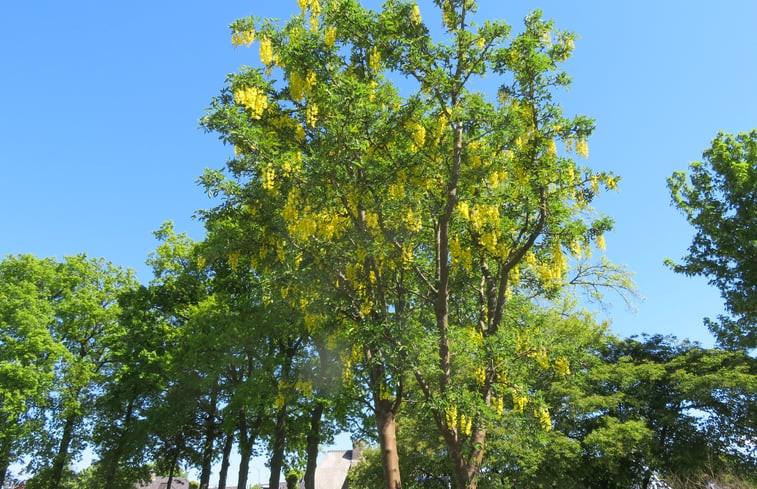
[
  {"x": 594, "y": 180},
  {"x": 296, "y": 86},
  {"x": 551, "y": 147},
  {"x": 480, "y": 375},
  {"x": 234, "y": 260},
  {"x": 611, "y": 182},
  {"x": 542, "y": 415},
  {"x": 266, "y": 51},
  {"x": 450, "y": 416},
  {"x": 519, "y": 401},
  {"x": 582, "y": 148},
  {"x": 330, "y": 36},
  {"x": 542, "y": 359},
  {"x": 311, "y": 114},
  {"x": 601, "y": 242},
  {"x": 415, "y": 16},
  {"x": 253, "y": 99},
  {"x": 417, "y": 134},
  {"x": 562, "y": 366},
  {"x": 464, "y": 210},
  {"x": 374, "y": 60},
  {"x": 245, "y": 37},
  {"x": 268, "y": 177},
  {"x": 481, "y": 43},
  {"x": 466, "y": 423},
  {"x": 498, "y": 405}
]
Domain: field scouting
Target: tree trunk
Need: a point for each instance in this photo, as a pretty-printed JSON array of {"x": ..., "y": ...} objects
[
  {"x": 4, "y": 463},
  {"x": 113, "y": 456},
  {"x": 210, "y": 437},
  {"x": 225, "y": 460},
  {"x": 246, "y": 441},
  {"x": 313, "y": 439},
  {"x": 59, "y": 463},
  {"x": 385, "y": 422},
  {"x": 170, "y": 471},
  {"x": 277, "y": 455}
]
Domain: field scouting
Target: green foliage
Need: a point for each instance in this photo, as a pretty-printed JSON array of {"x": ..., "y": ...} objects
[{"x": 719, "y": 198}]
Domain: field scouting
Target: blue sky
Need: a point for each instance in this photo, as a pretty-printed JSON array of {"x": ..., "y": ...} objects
[{"x": 99, "y": 138}]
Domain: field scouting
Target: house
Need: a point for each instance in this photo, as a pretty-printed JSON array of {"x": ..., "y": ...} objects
[
  {"x": 331, "y": 472},
  {"x": 162, "y": 483}
]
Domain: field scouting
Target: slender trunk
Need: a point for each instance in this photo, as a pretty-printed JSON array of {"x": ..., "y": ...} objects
[
  {"x": 246, "y": 441},
  {"x": 114, "y": 456},
  {"x": 210, "y": 437},
  {"x": 279, "y": 439},
  {"x": 385, "y": 422},
  {"x": 225, "y": 460},
  {"x": 59, "y": 463},
  {"x": 313, "y": 439},
  {"x": 171, "y": 470},
  {"x": 4, "y": 463}
]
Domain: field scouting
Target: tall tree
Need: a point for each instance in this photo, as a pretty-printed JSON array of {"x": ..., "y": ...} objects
[
  {"x": 420, "y": 224},
  {"x": 28, "y": 352},
  {"x": 719, "y": 198}
]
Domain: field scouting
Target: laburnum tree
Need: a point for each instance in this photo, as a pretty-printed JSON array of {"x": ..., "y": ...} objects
[
  {"x": 719, "y": 198},
  {"x": 412, "y": 221}
]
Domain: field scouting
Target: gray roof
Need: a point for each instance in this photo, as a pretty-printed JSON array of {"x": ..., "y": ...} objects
[
  {"x": 331, "y": 473},
  {"x": 162, "y": 483}
]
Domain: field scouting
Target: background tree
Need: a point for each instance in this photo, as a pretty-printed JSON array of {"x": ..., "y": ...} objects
[
  {"x": 28, "y": 353},
  {"x": 719, "y": 198}
]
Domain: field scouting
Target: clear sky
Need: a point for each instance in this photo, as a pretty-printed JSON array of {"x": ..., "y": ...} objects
[{"x": 99, "y": 138}]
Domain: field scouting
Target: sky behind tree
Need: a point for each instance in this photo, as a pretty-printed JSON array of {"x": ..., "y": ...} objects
[{"x": 99, "y": 137}]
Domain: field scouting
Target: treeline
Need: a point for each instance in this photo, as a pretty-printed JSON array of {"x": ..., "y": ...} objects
[{"x": 176, "y": 374}]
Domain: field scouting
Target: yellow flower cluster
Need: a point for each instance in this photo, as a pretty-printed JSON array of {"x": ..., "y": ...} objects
[
  {"x": 266, "y": 51},
  {"x": 601, "y": 242},
  {"x": 480, "y": 43},
  {"x": 542, "y": 358},
  {"x": 417, "y": 134},
  {"x": 371, "y": 220},
  {"x": 495, "y": 178},
  {"x": 312, "y": 321},
  {"x": 374, "y": 60},
  {"x": 234, "y": 260},
  {"x": 480, "y": 375},
  {"x": 246, "y": 37},
  {"x": 519, "y": 401},
  {"x": 268, "y": 177},
  {"x": 450, "y": 416},
  {"x": 397, "y": 190},
  {"x": 562, "y": 366},
  {"x": 330, "y": 37},
  {"x": 253, "y": 99},
  {"x": 415, "y": 16},
  {"x": 498, "y": 405},
  {"x": 481, "y": 215},
  {"x": 300, "y": 86},
  {"x": 460, "y": 255},
  {"x": 311, "y": 114},
  {"x": 582, "y": 148},
  {"x": 542, "y": 415},
  {"x": 407, "y": 256},
  {"x": 466, "y": 424},
  {"x": 414, "y": 223},
  {"x": 551, "y": 147}
]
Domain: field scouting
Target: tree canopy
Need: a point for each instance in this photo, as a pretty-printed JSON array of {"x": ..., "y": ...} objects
[{"x": 719, "y": 198}]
